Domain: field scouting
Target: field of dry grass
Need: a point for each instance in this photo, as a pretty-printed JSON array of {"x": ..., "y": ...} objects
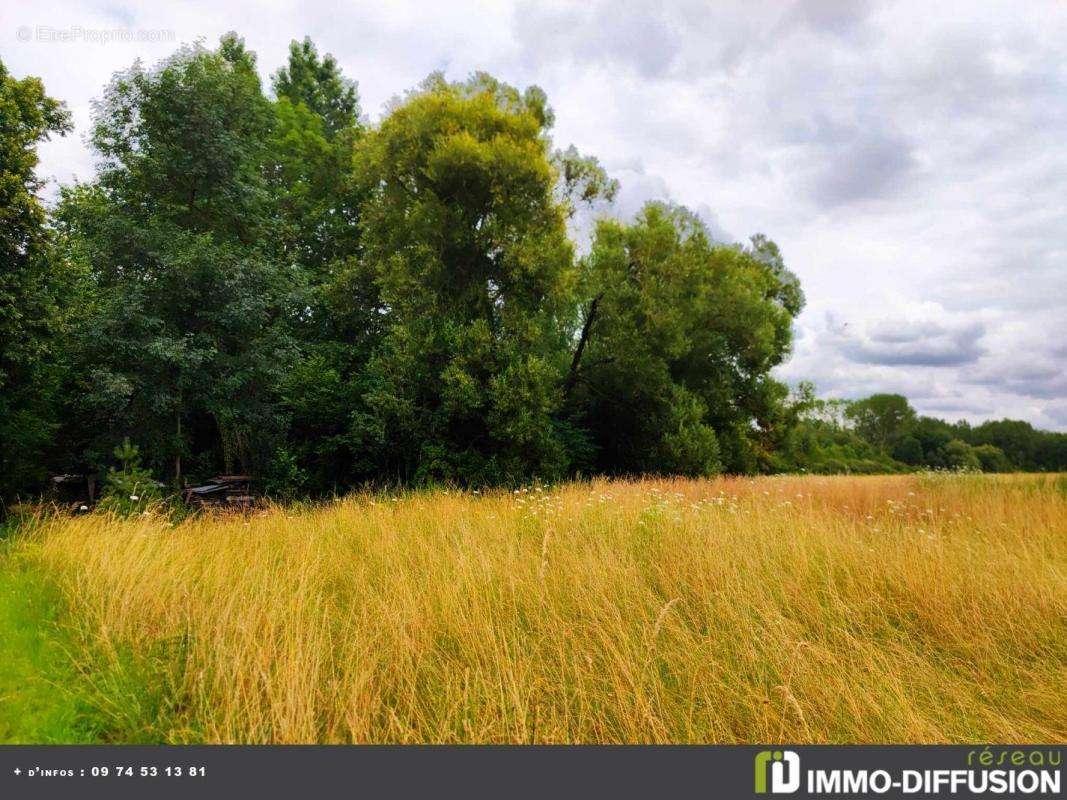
[{"x": 807, "y": 609}]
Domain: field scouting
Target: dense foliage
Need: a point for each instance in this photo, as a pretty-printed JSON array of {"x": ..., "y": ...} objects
[
  {"x": 266, "y": 283},
  {"x": 28, "y": 315}
]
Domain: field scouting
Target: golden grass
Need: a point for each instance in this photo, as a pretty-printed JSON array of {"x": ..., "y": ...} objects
[{"x": 807, "y": 609}]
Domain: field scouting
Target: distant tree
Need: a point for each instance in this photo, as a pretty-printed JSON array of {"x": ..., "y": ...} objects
[
  {"x": 831, "y": 411},
  {"x": 959, "y": 455},
  {"x": 991, "y": 458},
  {"x": 932, "y": 434},
  {"x": 823, "y": 442},
  {"x": 1018, "y": 440},
  {"x": 1051, "y": 451},
  {"x": 882, "y": 418},
  {"x": 28, "y": 309},
  {"x": 909, "y": 450}
]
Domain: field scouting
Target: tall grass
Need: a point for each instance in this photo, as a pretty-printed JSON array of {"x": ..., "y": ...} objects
[{"x": 805, "y": 609}]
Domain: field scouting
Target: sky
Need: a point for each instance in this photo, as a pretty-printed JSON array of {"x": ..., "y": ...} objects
[{"x": 910, "y": 159}]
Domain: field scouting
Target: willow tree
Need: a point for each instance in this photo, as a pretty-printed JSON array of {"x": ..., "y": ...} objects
[
  {"x": 671, "y": 372},
  {"x": 465, "y": 234}
]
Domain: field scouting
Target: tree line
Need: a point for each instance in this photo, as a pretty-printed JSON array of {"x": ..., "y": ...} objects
[
  {"x": 263, "y": 282},
  {"x": 883, "y": 433}
]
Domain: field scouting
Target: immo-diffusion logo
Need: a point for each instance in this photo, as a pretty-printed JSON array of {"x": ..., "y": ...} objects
[
  {"x": 784, "y": 768},
  {"x": 1019, "y": 771}
]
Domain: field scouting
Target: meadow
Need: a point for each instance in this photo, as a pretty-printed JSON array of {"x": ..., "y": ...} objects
[{"x": 921, "y": 608}]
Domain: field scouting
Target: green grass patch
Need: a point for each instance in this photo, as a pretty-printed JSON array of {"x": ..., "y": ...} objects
[
  {"x": 37, "y": 674},
  {"x": 56, "y": 690}
]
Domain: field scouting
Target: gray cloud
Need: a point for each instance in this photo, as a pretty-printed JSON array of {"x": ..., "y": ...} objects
[
  {"x": 830, "y": 16},
  {"x": 914, "y": 343},
  {"x": 954, "y": 409},
  {"x": 623, "y": 34},
  {"x": 1049, "y": 383},
  {"x": 1058, "y": 412},
  {"x": 867, "y": 163}
]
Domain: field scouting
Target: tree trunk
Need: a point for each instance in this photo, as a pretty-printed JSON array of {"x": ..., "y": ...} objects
[
  {"x": 178, "y": 455},
  {"x": 572, "y": 376}
]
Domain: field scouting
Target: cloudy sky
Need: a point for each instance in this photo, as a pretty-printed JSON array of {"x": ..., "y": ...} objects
[{"x": 909, "y": 158}]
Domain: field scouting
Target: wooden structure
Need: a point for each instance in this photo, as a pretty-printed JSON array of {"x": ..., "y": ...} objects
[{"x": 222, "y": 491}]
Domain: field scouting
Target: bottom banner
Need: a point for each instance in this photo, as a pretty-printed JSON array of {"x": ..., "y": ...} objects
[{"x": 539, "y": 771}]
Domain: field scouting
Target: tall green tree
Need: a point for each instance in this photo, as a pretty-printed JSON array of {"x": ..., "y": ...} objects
[
  {"x": 316, "y": 126},
  {"x": 28, "y": 309},
  {"x": 189, "y": 330},
  {"x": 468, "y": 246},
  {"x": 318, "y": 200},
  {"x": 670, "y": 369}
]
